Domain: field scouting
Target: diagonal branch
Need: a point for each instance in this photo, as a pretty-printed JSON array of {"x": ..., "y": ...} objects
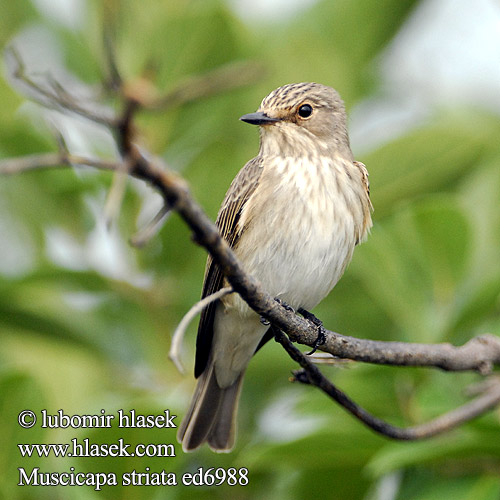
[{"x": 310, "y": 374}]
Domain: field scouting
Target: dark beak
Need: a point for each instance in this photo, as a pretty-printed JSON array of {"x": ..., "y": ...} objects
[{"x": 258, "y": 118}]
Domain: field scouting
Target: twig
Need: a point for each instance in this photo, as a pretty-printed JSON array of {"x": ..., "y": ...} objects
[
  {"x": 61, "y": 142},
  {"x": 142, "y": 237},
  {"x": 310, "y": 374},
  {"x": 114, "y": 80},
  {"x": 56, "y": 96},
  {"x": 324, "y": 358},
  {"x": 178, "y": 336},
  {"x": 116, "y": 193},
  {"x": 479, "y": 354},
  {"x": 10, "y": 166}
]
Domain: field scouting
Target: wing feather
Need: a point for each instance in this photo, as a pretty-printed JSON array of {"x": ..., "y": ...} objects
[{"x": 239, "y": 192}]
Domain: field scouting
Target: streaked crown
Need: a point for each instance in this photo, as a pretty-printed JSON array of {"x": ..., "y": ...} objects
[{"x": 289, "y": 96}]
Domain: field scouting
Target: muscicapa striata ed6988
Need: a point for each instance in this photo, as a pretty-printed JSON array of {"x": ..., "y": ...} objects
[{"x": 293, "y": 216}]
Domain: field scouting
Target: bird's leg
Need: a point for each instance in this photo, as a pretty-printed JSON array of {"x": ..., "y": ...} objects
[
  {"x": 321, "y": 338},
  {"x": 283, "y": 304}
]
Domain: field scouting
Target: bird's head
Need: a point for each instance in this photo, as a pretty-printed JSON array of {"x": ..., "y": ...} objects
[{"x": 299, "y": 118}]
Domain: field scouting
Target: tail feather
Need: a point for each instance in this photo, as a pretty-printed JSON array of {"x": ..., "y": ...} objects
[
  {"x": 212, "y": 415},
  {"x": 223, "y": 433}
]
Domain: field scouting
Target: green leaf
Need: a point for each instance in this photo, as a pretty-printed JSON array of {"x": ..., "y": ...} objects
[
  {"x": 429, "y": 160},
  {"x": 459, "y": 445}
]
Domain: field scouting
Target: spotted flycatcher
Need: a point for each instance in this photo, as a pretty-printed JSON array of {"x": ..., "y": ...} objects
[{"x": 293, "y": 216}]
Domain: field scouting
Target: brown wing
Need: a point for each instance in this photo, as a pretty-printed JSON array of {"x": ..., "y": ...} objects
[
  {"x": 364, "y": 175},
  {"x": 239, "y": 192},
  {"x": 365, "y": 202}
]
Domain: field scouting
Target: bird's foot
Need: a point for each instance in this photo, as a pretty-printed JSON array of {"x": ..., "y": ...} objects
[
  {"x": 283, "y": 304},
  {"x": 321, "y": 338}
]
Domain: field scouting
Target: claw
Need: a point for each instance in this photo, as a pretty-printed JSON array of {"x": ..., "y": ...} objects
[
  {"x": 321, "y": 338},
  {"x": 283, "y": 304}
]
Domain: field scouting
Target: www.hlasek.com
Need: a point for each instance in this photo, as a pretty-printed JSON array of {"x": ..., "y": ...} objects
[{"x": 85, "y": 448}]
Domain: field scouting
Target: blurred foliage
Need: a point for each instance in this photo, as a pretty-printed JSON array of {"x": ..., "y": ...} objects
[{"x": 85, "y": 320}]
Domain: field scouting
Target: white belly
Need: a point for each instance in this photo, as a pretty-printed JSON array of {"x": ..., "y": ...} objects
[{"x": 299, "y": 239}]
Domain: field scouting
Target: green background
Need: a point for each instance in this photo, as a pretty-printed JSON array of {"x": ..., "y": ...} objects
[{"x": 80, "y": 334}]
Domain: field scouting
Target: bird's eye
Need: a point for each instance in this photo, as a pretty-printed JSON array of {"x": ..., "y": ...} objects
[{"x": 305, "y": 111}]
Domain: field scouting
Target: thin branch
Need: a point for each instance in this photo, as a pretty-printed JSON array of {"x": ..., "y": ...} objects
[
  {"x": 61, "y": 142},
  {"x": 10, "y": 166},
  {"x": 143, "y": 236},
  {"x": 178, "y": 336},
  {"x": 114, "y": 79},
  {"x": 55, "y": 96},
  {"x": 479, "y": 354},
  {"x": 324, "y": 358},
  {"x": 310, "y": 374},
  {"x": 116, "y": 193}
]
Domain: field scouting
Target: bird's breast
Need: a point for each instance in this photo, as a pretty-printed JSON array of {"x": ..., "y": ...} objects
[{"x": 299, "y": 227}]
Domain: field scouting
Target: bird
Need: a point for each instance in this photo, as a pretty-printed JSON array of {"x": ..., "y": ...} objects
[{"x": 293, "y": 216}]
